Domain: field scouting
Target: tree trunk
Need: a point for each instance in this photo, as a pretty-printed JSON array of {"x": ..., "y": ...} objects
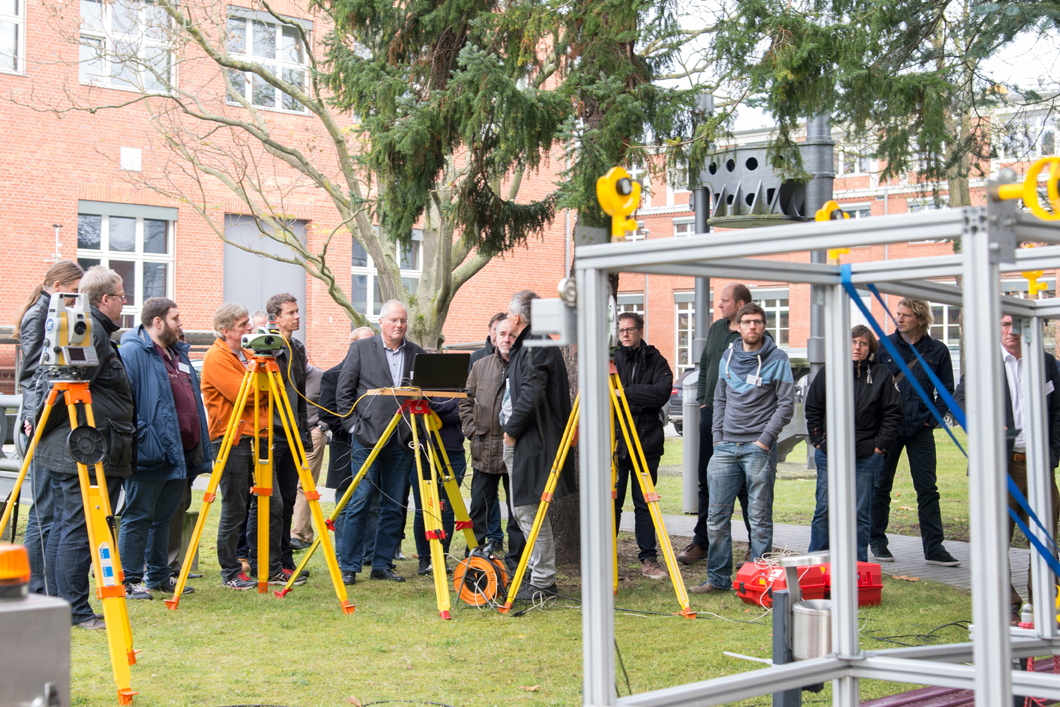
[{"x": 565, "y": 513}]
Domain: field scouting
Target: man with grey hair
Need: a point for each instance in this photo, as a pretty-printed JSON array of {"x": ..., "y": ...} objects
[
  {"x": 115, "y": 414},
  {"x": 539, "y": 397},
  {"x": 383, "y": 361},
  {"x": 258, "y": 319}
]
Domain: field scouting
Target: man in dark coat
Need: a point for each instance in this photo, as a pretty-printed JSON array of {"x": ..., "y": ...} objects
[
  {"x": 1016, "y": 424},
  {"x": 917, "y": 435},
  {"x": 383, "y": 361},
  {"x": 115, "y": 416},
  {"x": 540, "y": 406},
  {"x": 646, "y": 382},
  {"x": 877, "y": 418}
]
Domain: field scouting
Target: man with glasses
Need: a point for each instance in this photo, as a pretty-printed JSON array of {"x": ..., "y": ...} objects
[
  {"x": 112, "y": 405},
  {"x": 382, "y": 361},
  {"x": 753, "y": 400}
]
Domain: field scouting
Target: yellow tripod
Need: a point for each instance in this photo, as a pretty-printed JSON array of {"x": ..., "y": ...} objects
[
  {"x": 87, "y": 447},
  {"x": 263, "y": 378},
  {"x": 416, "y": 404},
  {"x": 619, "y": 405}
]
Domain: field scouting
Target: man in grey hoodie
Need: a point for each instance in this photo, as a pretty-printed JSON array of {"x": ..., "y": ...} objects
[{"x": 754, "y": 399}]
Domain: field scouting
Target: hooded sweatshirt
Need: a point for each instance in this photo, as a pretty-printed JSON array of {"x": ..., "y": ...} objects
[{"x": 755, "y": 395}]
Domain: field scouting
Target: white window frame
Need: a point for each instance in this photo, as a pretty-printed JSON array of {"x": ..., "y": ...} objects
[
  {"x": 775, "y": 301},
  {"x": 858, "y": 210},
  {"x": 1032, "y": 138},
  {"x": 862, "y": 161},
  {"x": 277, "y": 64},
  {"x": 676, "y": 183},
  {"x": 943, "y": 322},
  {"x": 680, "y": 308},
  {"x": 19, "y": 20},
  {"x": 370, "y": 273},
  {"x": 131, "y": 310},
  {"x": 684, "y": 227},
  {"x": 94, "y": 39},
  {"x": 643, "y": 177},
  {"x": 631, "y": 302}
]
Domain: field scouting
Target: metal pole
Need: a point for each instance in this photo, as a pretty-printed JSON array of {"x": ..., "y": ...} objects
[
  {"x": 986, "y": 454},
  {"x": 1039, "y": 471},
  {"x": 842, "y": 504},
  {"x": 690, "y": 448},
  {"x": 597, "y": 508},
  {"x": 701, "y": 205},
  {"x": 782, "y": 647}
]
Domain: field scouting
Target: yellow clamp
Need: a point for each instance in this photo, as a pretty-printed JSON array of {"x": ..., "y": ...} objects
[
  {"x": 831, "y": 212},
  {"x": 619, "y": 196},
  {"x": 1033, "y": 286},
  {"x": 434, "y": 422},
  {"x": 1028, "y": 191}
]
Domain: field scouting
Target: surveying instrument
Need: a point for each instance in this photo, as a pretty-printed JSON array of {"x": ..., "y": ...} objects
[
  {"x": 415, "y": 403},
  {"x": 262, "y": 381},
  {"x": 619, "y": 407},
  {"x": 68, "y": 354}
]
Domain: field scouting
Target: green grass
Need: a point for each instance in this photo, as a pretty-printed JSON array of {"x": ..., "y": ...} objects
[{"x": 223, "y": 647}]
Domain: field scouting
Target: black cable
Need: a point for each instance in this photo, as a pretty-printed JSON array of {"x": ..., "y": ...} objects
[
  {"x": 406, "y": 702},
  {"x": 924, "y": 637},
  {"x": 622, "y": 664}
]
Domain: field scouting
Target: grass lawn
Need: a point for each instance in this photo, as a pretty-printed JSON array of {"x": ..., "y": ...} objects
[{"x": 223, "y": 647}]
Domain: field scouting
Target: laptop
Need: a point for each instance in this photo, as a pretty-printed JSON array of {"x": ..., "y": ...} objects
[{"x": 441, "y": 371}]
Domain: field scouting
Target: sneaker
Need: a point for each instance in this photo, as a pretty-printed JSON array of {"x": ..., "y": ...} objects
[
  {"x": 283, "y": 576},
  {"x": 240, "y": 581},
  {"x": 530, "y": 593},
  {"x": 425, "y": 566},
  {"x": 705, "y": 588},
  {"x": 942, "y": 558},
  {"x": 93, "y": 624},
  {"x": 136, "y": 590},
  {"x": 691, "y": 553},
  {"x": 882, "y": 554},
  {"x": 298, "y": 544},
  {"x": 170, "y": 585},
  {"x": 652, "y": 569}
]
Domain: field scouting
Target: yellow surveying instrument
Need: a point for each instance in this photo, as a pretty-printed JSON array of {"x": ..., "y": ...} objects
[
  {"x": 619, "y": 407},
  {"x": 263, "y": 379},
  {"x": 416, "y": 404},
  {"x": 68, "y": 348}
]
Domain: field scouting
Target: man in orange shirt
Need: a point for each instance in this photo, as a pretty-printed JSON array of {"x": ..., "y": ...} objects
[{"x": 223, "y": 370}]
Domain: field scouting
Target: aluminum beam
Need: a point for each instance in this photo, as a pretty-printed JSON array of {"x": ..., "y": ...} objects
[
  {"x": 1029, "y": 227},
  {"x": 749, "y": 269},
  {"x": 918, "y": 672},
  {"x": 597, "y": 526},
  {"x": 962, "y": 652}
]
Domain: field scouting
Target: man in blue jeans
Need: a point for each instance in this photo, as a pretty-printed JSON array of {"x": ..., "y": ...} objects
[
  {"x": 877, "y": 419},
  {"x": 753, "y": 400}
]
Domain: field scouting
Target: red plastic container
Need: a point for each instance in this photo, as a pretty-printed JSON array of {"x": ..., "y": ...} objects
[
  {"x": 870, "y": 584},
  {"x": 755, "y": 585}
]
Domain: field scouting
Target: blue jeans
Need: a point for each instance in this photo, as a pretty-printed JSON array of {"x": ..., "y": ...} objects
[
  {"x": 732, "y": 464},
  {"x": 144, "y": 537},
  {"x": 865, "y": 470},
  {"x": 388, "y": 473},
  {"x": 68, "y": 550},
  {"x": 423, "y": 547},
  {"x": 38, "y": 526}
]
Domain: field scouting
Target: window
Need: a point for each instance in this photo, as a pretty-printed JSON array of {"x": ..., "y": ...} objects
[
  {"x": 946, "y": 327},
  {"x": 124, "y": 44},
  {"x": 633, "y": 302},
  {"x": 684, "y": 228},
  {"x": 139, "y": 248},
  {"x": 677, "y": 178},
  {"x": 12, "y": 36},
  {"x": 775, "y": 302},
  {"x": 1028, "y": 138},
  {"x": 367, "y": 296},
  {"x": 279, "y": 49},
  {"x": 857, "y": 210},
  {"x": 851, "y": 160},
  {"x": 642, "y": 177},
  {"x": 685, "y": 330},
  {"x": 640, "y": 234}
]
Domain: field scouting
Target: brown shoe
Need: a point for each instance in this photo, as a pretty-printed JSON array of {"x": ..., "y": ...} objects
[
  {"x": 691, "y": 553},
  {"x": 651, "y": 568},
  {"x": 705, "y": 588}
]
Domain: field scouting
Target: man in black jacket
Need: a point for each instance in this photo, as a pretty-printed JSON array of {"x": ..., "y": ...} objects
[
  {"x": 877, "y": 417},
  {"x": 540, "y": 406},
  {"x": 1015, "y": 426},
  {"x": 115, "y": 415},
  {"x": 646, "y": 383},
  {"x": 917, "y": 435}
]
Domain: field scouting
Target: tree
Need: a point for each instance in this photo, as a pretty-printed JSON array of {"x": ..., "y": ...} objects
[{"x": 428, "y": 114}]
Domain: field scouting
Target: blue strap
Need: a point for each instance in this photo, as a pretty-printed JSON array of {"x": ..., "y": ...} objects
[{"x": 958, "y": 412}]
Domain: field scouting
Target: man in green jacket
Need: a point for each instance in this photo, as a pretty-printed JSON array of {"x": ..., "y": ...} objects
[{"x": 719, "y": 337}]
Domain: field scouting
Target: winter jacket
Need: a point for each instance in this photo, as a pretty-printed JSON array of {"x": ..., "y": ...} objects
[
  {"x": 488, "y": 349},
  {"x": 746, "y": 411},
  {"x": 160, "y": 452},
  {"x": 1052, "y": 406},
  {"x": 480, "y": 414},
  {"x": 452, "y": 436},
  {"x": 294, "y": 386},
  {"x": 937, "y": 356},
  {"x": 222, "y": 377},
  {"x": 719, "y": 338},
  {"x": 647, "y": 382},
  {"x": 113, "y": 409},
  {"x": 541, "y": 406},
  {"x": 30, "y": 340},
  {"x": 877, "y": 409},
  {"x": 339, "y": 457},
  {"x": 313, "y": 376}
]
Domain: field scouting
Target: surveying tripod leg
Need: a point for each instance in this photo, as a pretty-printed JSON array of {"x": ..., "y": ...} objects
[
  {"x": 312, "y": 496},
  {"x": 614, "y": 499},
  {"x": 233, "y": 432},
  {"x": 431, "y": 509},
  {"x": 49, "y": 404},
  {"x": 341, "y": 504},
  {"x": 647, "y": 489},
  {"x": 263, "y": 487},
  {"x": 452, "y": 492},
  {"x": 546, "y": 499}
]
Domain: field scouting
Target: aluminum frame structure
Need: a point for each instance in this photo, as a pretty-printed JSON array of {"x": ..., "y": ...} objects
[{"x": 988, "y": 236}]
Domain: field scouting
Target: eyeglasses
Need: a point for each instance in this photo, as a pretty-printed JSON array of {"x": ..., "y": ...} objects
[
  {"x": 628, "y": 330},
  {"x": 752, "y": 322},
  {"x": 115, "y": 294}
]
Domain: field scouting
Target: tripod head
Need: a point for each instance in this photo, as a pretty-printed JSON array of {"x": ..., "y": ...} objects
[
  {"x": 266, "y": 341},
  {"x": 67, "y": 345}
]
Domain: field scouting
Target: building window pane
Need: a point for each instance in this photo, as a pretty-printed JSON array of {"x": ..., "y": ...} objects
[
  {"x": 685, "y": 332},
  {"x": 86, "y": 263},
  {"x": 360, "y": 256},
  {"x": 127, "y": 270},
  {"x": 88, "y": 231},
  {"x": 264, "y": 40},
  {"x": 9, "y": 50},
  {"x": 93, "y": 66},
  {"x": 262, "y": 94},
  {"x": 236, "y": 38},
  {"x": 285, "y": 51},
  {"x": 156, "y": 239},
  {"x": 777, "y": 318},
  {"x": 124, "y": 44},
  {"x": 377, "y": 297},
  {"x": 411, "y": 284},
  {"x": 122, "y": 234},
  {"x": 92, "y": 15},
  {"x": 155, "y": 280},
  {"x": 359, "y": 296},
  {"x": 410, "y": 256}
]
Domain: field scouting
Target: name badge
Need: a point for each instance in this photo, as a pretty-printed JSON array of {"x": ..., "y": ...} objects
[
  {"x": 1049, "y": 387},
  {"x": 754, "y": 380},
  {"x": 184, "y": 368}
]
